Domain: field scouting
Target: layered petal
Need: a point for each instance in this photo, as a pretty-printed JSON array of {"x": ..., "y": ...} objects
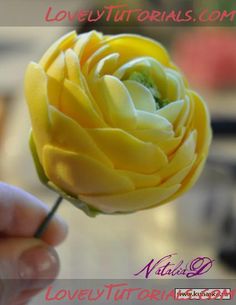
[
  {"x": 62, "y": 44},
  {"x": 76, "y": 104},
  {"x": 147, "y": 120},
  {"x": 118, "y": 106},
  {"x": 201, "y": 122},
  {"x": 142, "y": 180},
  {"x": 73, "y": 68},
  {"x": 131, "y": 46},
  {"x": 66, "y": 133},
  {"x": 172, "y": 111},
  {"x": 127, "y": 152},
  {"x": 37, "y": 100},
  {"x": 131, "y": 201},
  {"x": 87, "y": 44},
  {"x": 141, "y": 96},
  {"x": 182, "y": 158},
  {"x": 79, "y": 174},
  {"x": 191, "y": 178}
]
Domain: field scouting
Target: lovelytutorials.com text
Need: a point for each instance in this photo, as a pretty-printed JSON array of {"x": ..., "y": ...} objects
[{"x": 122, "y": 13}]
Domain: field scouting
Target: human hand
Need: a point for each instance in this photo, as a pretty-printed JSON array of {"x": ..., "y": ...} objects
[{"x": 27, "y": 264}]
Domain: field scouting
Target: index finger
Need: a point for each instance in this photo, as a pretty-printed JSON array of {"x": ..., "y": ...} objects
[{"x": 21, "y": 214}]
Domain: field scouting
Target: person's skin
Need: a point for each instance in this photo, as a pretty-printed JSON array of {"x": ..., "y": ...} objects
[{"x": 31, "y": 263}]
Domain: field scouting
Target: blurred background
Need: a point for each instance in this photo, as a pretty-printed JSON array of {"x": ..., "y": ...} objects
[{"x": 201, "y": 223}]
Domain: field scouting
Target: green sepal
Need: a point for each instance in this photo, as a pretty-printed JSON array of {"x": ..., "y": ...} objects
[
  {"x": 89, "y": 211},
  {"x": 42, "y": 177}
]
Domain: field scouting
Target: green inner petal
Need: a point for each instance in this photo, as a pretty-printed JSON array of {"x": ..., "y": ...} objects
[
  {"x": 145, "y": 79},
  {"x": 161, "y": 102}
]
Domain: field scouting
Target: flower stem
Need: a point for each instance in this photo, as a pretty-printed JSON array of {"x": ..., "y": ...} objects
[{"x": 43, "y": 226}]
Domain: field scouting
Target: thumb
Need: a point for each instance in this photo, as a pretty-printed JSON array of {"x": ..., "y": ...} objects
[{"x": 25, "y": 264}]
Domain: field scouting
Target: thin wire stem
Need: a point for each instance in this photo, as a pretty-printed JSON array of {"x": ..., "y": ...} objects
[{"x": 43, "y": 226}]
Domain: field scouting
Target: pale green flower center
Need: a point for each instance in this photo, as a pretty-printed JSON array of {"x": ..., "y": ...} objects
[{"x": 146, "y": 80}]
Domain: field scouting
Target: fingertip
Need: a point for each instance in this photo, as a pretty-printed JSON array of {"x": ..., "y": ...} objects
[
  {"x": 56, "y": 231},
  {"x": 26, "y": 266}
]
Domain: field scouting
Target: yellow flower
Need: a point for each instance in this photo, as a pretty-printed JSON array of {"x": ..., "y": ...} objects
[{"x": 115, "y": 128}]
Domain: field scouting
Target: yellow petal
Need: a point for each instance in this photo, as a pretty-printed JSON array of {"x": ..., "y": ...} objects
[
  {"x": 61, "y": 44},
  {"x": 191, "y": 178},
  {"x": 141, "y": 180},
  {"x": 147, "y": 120},
  {"x": 67, "y": 134},
  {"x": 131, "y": 201},
  {"x": 170, "y": 145},
  {"x": 164, "y": 139},
  {"x": 118, "y": 104},
  {"x": 57, "y": 68},
  {"x": 201, "y": 122},
  {"x": 131, "y": 46},
  {"x": 56, "y": 74},
  {"x": 155, "y": 136},
  {"x": 75, "y": 75},
  {"x": 106, "y": 65},
  {"x": 127, "y": 152},
  {"x": 179, "y": 176},
  {"x": 141, "y": 96},
  {"x": 185, "y": 115},
  {"x": 171, "y": 111},
  {"x": 80, "y": 174},
  {"x": 176, "y": 88},
  {"x": 182, "y": 158},
  {"x": 87, "y": 44},
  {"x": 73, "y": 68},
  {"x": 94, "y": 58},
  {"x": 189, "y": 121},
  {"x": 76, "y": 104},
  {"x": 36, "y": 96},
  {"x": 54, "y": 89}
]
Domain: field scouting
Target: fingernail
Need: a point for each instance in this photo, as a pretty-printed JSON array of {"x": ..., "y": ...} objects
[{"x": 38, "y": 263}]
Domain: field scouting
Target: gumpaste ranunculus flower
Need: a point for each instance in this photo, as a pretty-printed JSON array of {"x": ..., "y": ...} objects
[{"x": 115, "y": 128}]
